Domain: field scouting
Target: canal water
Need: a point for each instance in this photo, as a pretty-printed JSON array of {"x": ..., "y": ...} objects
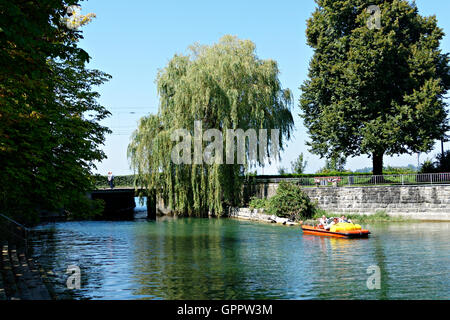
[{"x": 232, "y": 259}]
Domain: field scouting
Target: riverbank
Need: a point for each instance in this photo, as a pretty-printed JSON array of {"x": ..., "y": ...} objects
[
  {"x": 430, "y": 202},
  {"x": 20, "y": 276},
  {"x": 259, "y": 215}
]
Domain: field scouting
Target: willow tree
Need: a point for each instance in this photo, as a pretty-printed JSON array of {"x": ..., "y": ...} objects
[
  {"x": 377, "y": 80},
  {"x": 225, "y": 86}
]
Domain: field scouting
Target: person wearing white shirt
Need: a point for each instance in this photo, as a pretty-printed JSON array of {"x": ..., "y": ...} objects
[
  {"x": 110, "y": 180},
  {"x": 323, "y": 221}
]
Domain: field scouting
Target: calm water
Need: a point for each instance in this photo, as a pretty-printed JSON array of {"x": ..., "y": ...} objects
[{"x": 231, "y": 259}]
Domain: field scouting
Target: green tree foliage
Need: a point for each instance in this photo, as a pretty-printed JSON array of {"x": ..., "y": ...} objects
[
  {"x": 282, "y": 171},
  {"x": 49, "y": 114},
  {"x": 291, "y": 202},
  {"x": 427, "y": 167},
  {"x": 374, "y": 91},
  {"x": 299, "y": 165},
  {"x": 257, "y": 203},
  {"x": 334, "y": 164},
  {"x": 226, "y": 86},
  {"x": 443, "y": 162},
  {"x": 101, "y": 182},
  {"x": 400, "y": 170},
  {"x": 441, "y": 165},
  {"x": 410, "y": 168}
]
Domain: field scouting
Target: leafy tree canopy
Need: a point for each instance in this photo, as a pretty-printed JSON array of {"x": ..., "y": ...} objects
[
  {"x": 374, "y": 91},
  {"x": 49, "y": 114}
]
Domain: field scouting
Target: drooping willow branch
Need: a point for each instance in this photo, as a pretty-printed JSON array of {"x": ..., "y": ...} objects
[{"x": 225, "y": 86}]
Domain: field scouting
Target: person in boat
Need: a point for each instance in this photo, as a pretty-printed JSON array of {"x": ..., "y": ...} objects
[
  {"x": 323, "y": 221},
  {"x": 332, "y": 223},
  {"x": 344, "y": 219}
]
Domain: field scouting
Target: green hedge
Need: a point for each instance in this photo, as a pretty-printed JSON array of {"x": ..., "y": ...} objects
[
  {"x": 119, "y": 181},
  {"x": 330, "y": 174}
]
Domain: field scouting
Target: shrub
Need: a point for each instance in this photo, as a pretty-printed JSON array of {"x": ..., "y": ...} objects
[
  {"x": 256, "y": 203},
  {"x": 291, "y": 202},
  {"x": 428, "y": 167},
  {"x": 443, "y": 162}
]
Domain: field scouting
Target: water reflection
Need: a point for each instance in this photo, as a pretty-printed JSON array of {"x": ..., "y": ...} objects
[{"x": 229, "y": 259}]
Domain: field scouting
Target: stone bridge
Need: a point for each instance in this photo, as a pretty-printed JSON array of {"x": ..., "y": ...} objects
[
  {"x": 426, "y": 201},
  {"x": 120, "y": 203}
]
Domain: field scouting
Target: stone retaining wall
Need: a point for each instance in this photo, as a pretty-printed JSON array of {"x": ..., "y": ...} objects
[
  {"x": 425, "y": 202},
  {"x": 249, "y": 214}
]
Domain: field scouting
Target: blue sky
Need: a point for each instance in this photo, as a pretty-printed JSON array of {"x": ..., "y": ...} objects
[{"x": 132, "y": 40}]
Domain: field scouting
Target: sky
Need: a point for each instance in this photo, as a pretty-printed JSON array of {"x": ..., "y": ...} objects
[{"x": 132, "y": 40}]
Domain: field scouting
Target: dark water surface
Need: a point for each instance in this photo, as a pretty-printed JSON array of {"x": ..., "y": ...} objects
[{"x": 231, "y": 259}]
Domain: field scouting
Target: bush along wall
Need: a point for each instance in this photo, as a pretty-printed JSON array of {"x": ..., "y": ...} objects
[{"x": 290, "y": 201}]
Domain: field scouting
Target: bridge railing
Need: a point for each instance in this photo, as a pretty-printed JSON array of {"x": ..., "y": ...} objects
[
  {"x": 374, "y": 180},
  {"x": 334, "y": 180},
  {"x": 13, "y": 230}
]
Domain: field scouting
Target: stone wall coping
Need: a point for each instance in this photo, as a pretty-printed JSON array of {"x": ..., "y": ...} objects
[{"x": 379, "y": 186}]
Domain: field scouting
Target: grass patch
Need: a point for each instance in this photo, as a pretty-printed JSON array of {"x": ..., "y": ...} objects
[{"x": 379, "y": 216}]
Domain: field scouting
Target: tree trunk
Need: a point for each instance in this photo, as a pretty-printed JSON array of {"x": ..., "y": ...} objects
[
  {"x": 377, "y": 161},
  {"x": 151, "y": 205}
]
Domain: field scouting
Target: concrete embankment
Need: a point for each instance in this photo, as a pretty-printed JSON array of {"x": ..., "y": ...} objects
[
  {"x": 257, "y": 215},
  {"x": 421, "y": 202},
  {"x": 426, "y": 202}
]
